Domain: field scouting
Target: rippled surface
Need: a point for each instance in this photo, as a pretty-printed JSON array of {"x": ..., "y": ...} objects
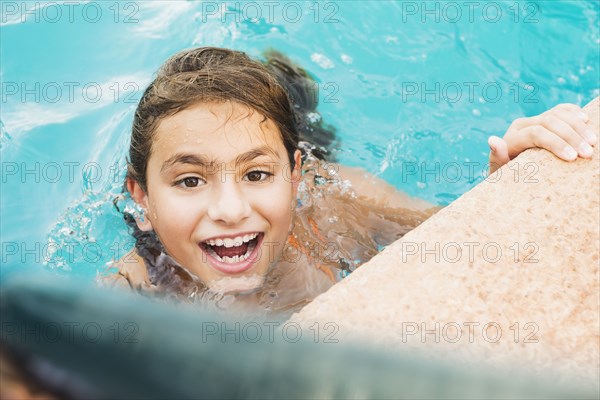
[{"x": 369, "y": 57}]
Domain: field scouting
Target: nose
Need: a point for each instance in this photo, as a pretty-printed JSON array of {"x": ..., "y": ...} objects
[{"x": 229, "y": 205}]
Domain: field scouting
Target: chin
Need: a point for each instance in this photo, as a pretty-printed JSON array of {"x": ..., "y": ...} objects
[{"x": 237, "y": 285}]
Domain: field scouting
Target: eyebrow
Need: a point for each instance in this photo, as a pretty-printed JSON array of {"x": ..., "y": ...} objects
[{"x": 202, "y": 161}]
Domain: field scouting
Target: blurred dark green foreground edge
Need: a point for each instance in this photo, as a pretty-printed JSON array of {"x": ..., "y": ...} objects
[{"x": 86, "y": 342}]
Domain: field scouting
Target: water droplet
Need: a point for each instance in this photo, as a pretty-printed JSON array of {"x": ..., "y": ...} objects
[
  {"x": 322, "y": 60},
  {"x": 313, "y": 117},
  {"x": 319, "y": 180}
]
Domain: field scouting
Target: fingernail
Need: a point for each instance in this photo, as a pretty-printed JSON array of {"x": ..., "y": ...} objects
[
  {"x": 585, "y": 150},
  {"x": 583, "y": 116},
  {"x": 569, "y": 153},
  {"x": 590, "y": 136}
]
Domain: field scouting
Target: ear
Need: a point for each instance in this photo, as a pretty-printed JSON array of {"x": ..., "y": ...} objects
[
  {"x": 140, "y": 197},
  {"x": 297, "y": 172}
]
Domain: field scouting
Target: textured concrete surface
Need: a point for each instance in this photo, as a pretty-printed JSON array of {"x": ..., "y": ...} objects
[{"x": 512, "y": 266}]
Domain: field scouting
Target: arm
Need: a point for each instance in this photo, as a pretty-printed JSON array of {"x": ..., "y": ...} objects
[
  {"x": 384, "y": 199},
  {"x": 562, "y": 130},
  {"x": 378, "y": 191}
]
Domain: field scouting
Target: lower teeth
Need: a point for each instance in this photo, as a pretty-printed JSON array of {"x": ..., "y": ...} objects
[{"x": 232, "y": 260}]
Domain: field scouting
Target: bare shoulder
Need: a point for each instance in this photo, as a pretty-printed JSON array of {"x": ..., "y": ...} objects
[{"x": 381, "y": 193}]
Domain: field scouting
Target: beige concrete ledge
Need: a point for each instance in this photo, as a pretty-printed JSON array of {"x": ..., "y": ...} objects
[{"x": 518, "y": 255}]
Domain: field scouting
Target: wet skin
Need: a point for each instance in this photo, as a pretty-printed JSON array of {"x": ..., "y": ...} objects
[{"x": 217, "y": 171}]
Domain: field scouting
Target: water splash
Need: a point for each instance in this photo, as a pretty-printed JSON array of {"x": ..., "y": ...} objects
[
  {"x": 332, "y": 233},
  {"x": 91, "y": 234},
  {"x": 331, "y": 236},
  {"x": 77, "y": 240},
  {"x": 341, "y": 231}
]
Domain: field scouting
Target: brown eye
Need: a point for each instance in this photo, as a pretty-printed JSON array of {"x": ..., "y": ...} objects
[
  {"x": 254, "y": 176},
  {"x": 257, "y": 176},
  {"x": 191, "y": 182}
]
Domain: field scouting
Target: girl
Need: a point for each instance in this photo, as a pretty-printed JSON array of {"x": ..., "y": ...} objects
[{"x": 241, "y": 206}]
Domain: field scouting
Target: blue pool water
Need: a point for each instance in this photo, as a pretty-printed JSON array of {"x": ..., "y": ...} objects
[{"x": 414, "y": 89}]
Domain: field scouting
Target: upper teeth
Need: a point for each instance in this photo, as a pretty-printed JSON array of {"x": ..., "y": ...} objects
[{"x": 228, "y": 242}]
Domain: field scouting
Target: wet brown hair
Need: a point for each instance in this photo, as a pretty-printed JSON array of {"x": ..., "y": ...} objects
[
  {"x": 276, "y": 88},
  {"x": 208, "y": 74}
]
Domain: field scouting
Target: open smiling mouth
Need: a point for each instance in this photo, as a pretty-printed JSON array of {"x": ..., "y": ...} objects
[{"x": 233, "y": 255}]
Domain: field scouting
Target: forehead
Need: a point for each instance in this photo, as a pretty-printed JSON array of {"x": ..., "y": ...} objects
[{"x": 219, "y": 129}]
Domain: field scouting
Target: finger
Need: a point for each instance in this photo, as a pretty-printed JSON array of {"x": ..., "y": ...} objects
[
  {"x": 582, "y": 115},
  {"x": 498, "y": 153},
  {"x": 542, "y": 137},
  {"x": 577, "y": 124},
  {"x": 567, "y": 133}
]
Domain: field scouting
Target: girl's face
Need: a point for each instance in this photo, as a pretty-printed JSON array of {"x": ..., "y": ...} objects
[{"x": 221, "y": 193}]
